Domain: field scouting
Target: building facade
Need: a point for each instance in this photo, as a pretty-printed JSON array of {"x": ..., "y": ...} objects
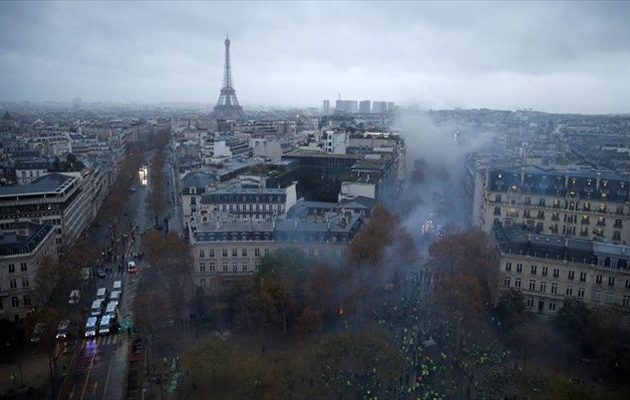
[
  {"x": 549, "y": 269},
  {"x": 21, "y": 251},
  {"x": 58, "y": 199},
  {"x": 583, "y": 204}
]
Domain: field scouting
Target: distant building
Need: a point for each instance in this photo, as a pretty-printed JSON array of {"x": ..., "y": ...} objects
[
  {"x": 21, "y": 251},
  {"x": 347, "y": 106},
  {"x": 326, "y": 106},
  {"x": 365, "y": 107},
  {"x": 27, "y": 171},
  {"x": 379, "y": 107},
  {"x": 247, "y": 202},
  {"x": 336, "y": 142}
]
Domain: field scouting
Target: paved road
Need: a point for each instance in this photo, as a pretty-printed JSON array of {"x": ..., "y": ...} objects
[{"x": 99, "y": 366}]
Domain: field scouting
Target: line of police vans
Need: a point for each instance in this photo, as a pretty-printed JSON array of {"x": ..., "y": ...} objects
[{"x": 104, "y": 312}]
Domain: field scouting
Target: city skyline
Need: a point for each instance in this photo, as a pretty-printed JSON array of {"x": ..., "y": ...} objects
[{"x": 568, "y": 57}]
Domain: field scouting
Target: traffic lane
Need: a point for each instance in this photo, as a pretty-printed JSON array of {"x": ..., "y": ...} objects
[{"x": 97, "y": 378}]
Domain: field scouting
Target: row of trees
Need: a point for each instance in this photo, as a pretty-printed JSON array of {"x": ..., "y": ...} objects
[
  {"x": 317, "y": 370},
  {"x": 298, "y": 295}
]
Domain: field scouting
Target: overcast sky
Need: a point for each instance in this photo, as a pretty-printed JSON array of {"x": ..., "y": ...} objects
[{"x": 569, "y": 57}]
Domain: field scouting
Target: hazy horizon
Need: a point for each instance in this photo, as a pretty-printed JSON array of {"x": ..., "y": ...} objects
[{"x": 559, "y": 57}]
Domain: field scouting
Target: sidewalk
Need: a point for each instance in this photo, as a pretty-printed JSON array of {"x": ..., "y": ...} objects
[{"x": 34, "y": 373}]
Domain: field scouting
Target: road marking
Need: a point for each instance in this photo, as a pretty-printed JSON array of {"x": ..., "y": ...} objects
[
  {"x": 87, "y": 377},
  {"x": 109, "y": 372},
  {"x": 94, "y": 387},
  {"x": 71, "y": 393}
]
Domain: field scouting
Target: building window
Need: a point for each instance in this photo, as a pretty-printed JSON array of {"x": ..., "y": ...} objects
[
  {"x": 25, "y": 281},
  {"x": 626, "y": 301},
  {"x": 256, "y": 263},
  {"x": 556, "y": 272},
  {"x": 554, "y": 288},
  {"x": 202, "y": 266},
  {"x": 530, "y": 302},
  {"x": 234, "y": 266},
  {"x": 212, "y": 266},
  {"x": 609, "y": 297},
  {"x": 517, "y": 282},
  {"x": 532, "y": 285},
  {"x": 27, "y": 300},
  {"x": 552, "y": 306},
  {"x": 234, "y": 252},
  {"x": 225, "y": 253},
  {"x": 15, "y": 302},
  {"x": 266, "y": 251},
  {"x": 582, "y": 276},
  {"x": 611, "y": 281},
  {"x": 544, "y": 271},
  {"x": 244, "y": 252},
  {"x": 508, "y": 266},
  {"x": 257, "y": 252},
  {"x": 211, "y": 253},
  {"x": 581, "y": 292},
  {"x": 224, "y": 266},
  {"x": 569, "y": 291},
  {"x": 616, "y": 236},
  {"x": 571, "y": 275},
  {"x": 497, "y": 210},
  {"x": 11, "y": 268},
  {"x": 13, "y": 284},
  {"x": 597, "y": 295},
  {"x": 202, "y": 253},
  {"x": 23, "y": 266},
  {"x": 507, "y": 281},
  {"x": 533, "y": 270},
  {"x": 543, "y": 287},
  {"x": 244, "y": 266},
  {"x": 598, "y": 278},
  {"x": 202, "y": 282},
  {"x": 519, "y": 267},
  {"x": 627, "y": 283}
]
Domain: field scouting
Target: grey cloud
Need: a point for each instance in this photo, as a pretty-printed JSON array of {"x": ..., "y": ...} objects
[{"x": 551, "y": 56}]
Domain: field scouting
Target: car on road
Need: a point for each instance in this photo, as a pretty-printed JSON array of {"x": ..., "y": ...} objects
[
  {"x": 62, "y": 329},
  {"x": 75, "y": 296},
  {"x": 90, "y": 327},
  {"x": 115, "y": 295},
  {"x": 131, "y": 267},
  {"x": 38, "y": 331},
  {"x": 101, "y": 293},
  {"x": 117, "y": 285},
  {"x": 97, "y": 307},
  {"x": 106, "y": 325}
]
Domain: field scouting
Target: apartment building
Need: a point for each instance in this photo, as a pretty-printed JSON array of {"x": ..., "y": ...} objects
[
  {"x": 242, "y": 201},
  {"x": 225, "y": 250},
  {"x": 21, "y": 251},
  {"x": 548, "y": 269},
  {"x": 585, "y": 204},
  {"x": 58, "y": 199}
]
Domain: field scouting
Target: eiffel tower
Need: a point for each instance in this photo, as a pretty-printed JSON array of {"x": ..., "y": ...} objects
[{"x": 227, "y": 106}]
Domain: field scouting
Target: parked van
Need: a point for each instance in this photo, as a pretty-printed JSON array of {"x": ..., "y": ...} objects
[
  {"x": 106, "y": 325},
  {"x": 112, "y": 307},
  {"x": 101, "y": 293},
  {"x": 115, "y": 295},
  {"x": 97, "y": 307},
  {"x": 90, "y": 327}
]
